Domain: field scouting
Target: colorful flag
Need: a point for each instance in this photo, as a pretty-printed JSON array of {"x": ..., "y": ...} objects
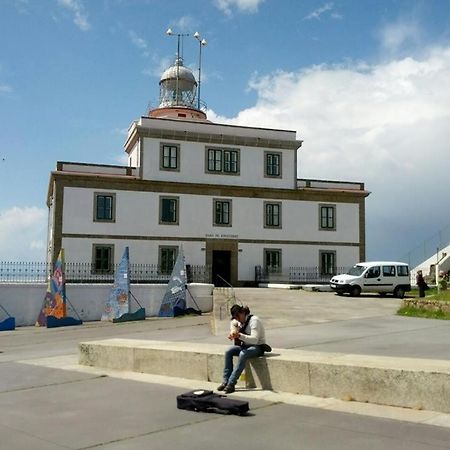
[
  {"x": 175, "y": 296},
  {"x": 118, "y": 302},
  {"x": 55, "y": 299}
]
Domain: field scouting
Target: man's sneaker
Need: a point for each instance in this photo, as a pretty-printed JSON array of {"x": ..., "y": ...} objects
[
  {"x": 222, "y": 387},
  {"x": 229, "y": 389}
]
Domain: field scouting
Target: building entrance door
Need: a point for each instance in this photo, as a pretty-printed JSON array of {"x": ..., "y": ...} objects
[{"x": 221, "y": 267}]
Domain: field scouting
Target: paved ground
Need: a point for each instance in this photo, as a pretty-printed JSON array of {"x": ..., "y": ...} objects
[{"x": 43, "y": 406}]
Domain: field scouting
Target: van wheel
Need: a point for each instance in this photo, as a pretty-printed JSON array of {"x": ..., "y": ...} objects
[
  {"x": 356, "y": 290},
  {"x": 399, "y": 292}
]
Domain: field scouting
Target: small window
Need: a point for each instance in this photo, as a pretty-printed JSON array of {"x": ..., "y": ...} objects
[
  {"x": 222, "y": 161},
  {"x": 214, "y": 160},
  {"x": 230, "y": 161},
  {"x": 103, "y": 259},
  {"x": 104, "y": 207},
  {"x": 327, "y": 263},
  {"x": 402, "y": 271},
  {"x": 327, "y": 217},
  {"x": 272, "y": 164},
  {"x": 168, "y": 210},
  {"x": 222, "y": 212},
  {"x": 373, "y": 272},
  {"x": 388, "y": 271},
  {"x": 272, "y": 215},
  {"x": 169, "y": 156},
  {"x": 272, "y": 260},
  {"x": 167, "y": 258}
]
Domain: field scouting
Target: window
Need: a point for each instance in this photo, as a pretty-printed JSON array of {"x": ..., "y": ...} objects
[
  {"x": 222, "y": 161},
  {"x": 327, "y": 263},
  {"x": 102, "y": 258},
  {"x": 373, "y": 272},
  {"x": 272, "y": 260},
  {"x": 168, "y": 210},
  {"x": 402, "y": 271},
  {"x": 167, "y": 258},
  {"x": 327, "y": 217},
  {"x": 272, "y": 215},
  {"x": 272, "y": 164},
  {"x": 169, "y": 157},
  {"x": 388, "y": 271},
  {"x": 222, "y": 213},
  {"x": 104, "y": 207}
]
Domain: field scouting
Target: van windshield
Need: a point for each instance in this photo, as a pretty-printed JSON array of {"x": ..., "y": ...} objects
[{"x": 356, "y": 270}]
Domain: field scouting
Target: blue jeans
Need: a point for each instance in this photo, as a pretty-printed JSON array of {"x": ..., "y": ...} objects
[{"x": 245, "y": 352}]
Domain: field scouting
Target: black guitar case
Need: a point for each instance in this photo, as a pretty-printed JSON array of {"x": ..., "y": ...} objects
[{"x": 207, "y": 401}]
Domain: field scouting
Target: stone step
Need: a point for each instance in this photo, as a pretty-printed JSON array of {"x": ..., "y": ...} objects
[{"x": 404, "y": 382}]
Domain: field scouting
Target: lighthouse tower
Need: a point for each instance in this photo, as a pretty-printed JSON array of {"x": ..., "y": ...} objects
[{"x": 178, "y": 94}]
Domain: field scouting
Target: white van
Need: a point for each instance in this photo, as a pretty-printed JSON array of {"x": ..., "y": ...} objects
[{"x": 383, "y": 277}]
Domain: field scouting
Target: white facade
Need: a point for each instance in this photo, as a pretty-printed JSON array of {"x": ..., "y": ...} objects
[{"x": 229, "y": 194}]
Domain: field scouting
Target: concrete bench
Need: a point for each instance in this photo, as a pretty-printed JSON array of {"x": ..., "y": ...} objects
[{"x": 405, "y": 382}]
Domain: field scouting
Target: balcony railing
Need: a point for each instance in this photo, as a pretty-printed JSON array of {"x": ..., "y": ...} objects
[{"x": 80, "y": 272}]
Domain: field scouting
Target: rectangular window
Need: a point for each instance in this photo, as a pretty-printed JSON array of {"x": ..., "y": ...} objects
[
  {"x": 222, "y": 212},
  {"x": 388, "y": 271},
  {"x": 214, "y": 160},
  {"x": 327, "y": 217},
  {"x": 272, "y": 215},
  {"x": 272, "y": 164},
  {"x": 230, "y": 161},
  {"x": 272, "y": 260},
  {"x": 167, "y": 258},
  {"x": 103, "y": 258},
  {"x": 168, "y": 210},
  {"x": 104, "y": 208},
  {"x": 224, "y": 161},
  {"x": 327, "y": 263},
  {"x": 402, "y": 271},
  {"x": 169, "y": 156}
]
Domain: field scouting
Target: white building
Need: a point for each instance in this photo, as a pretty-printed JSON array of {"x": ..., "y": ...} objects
[{"x": 228, "y": 194}]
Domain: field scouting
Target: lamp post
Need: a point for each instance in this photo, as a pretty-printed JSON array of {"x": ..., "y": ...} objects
[
  {"x": 202, "y": 43},
  {"x": 179, "y": 36}
]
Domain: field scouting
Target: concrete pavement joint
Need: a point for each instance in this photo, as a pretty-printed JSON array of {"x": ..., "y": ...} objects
[{"x": 70, "y": 362}]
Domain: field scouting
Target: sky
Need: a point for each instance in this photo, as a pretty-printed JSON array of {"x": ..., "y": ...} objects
[{"x": 366, "y": 85}]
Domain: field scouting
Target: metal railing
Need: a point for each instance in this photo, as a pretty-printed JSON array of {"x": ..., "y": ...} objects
[
  {"x": 296, "y": 275},
  {"x": 80, "y": 272}
]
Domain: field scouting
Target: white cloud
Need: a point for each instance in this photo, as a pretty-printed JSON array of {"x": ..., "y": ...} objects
[
  {"x": 137, "y": 41},
  {"x": 184, "y": 24},
  {"x": 77, "y": 8},
  {"x": 323, "y": 10},
  {"x": 246, "y": 6},
  {"x": 5, "y": 89},
  {"x": 395, "y": 36},
  {"x": 386, "y": 124},
  {"x": 23, "y": 233}
]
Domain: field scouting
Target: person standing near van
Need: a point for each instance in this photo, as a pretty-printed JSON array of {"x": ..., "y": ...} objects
[{"x": 421, "y": 284}]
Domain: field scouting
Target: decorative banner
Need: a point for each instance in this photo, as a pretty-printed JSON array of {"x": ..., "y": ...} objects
[
  {"x": 55, "y": 299},
  {"x": 118, "y": 302},
  {"x": 175, "y": 297}
]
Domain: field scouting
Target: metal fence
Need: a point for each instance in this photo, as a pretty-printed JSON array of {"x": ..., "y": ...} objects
[
  {"x": 79, "y": 272},
  {"x": 296, "y": 275}
]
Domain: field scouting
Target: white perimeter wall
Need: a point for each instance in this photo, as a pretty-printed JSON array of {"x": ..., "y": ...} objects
[
  {"x": 24, "y": 301},
  {"x": 193, "y": 160}
]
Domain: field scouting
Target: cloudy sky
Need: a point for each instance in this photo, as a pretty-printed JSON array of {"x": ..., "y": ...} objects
[{"x": 365, "y": 84}]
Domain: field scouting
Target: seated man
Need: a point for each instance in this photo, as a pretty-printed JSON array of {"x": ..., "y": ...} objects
[{"x": 249, "y": 341}]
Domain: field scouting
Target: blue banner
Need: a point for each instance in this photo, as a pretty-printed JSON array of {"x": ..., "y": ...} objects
[
  {"x": 118, "y": 302},
  {"x": 175, "y": 296}
]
